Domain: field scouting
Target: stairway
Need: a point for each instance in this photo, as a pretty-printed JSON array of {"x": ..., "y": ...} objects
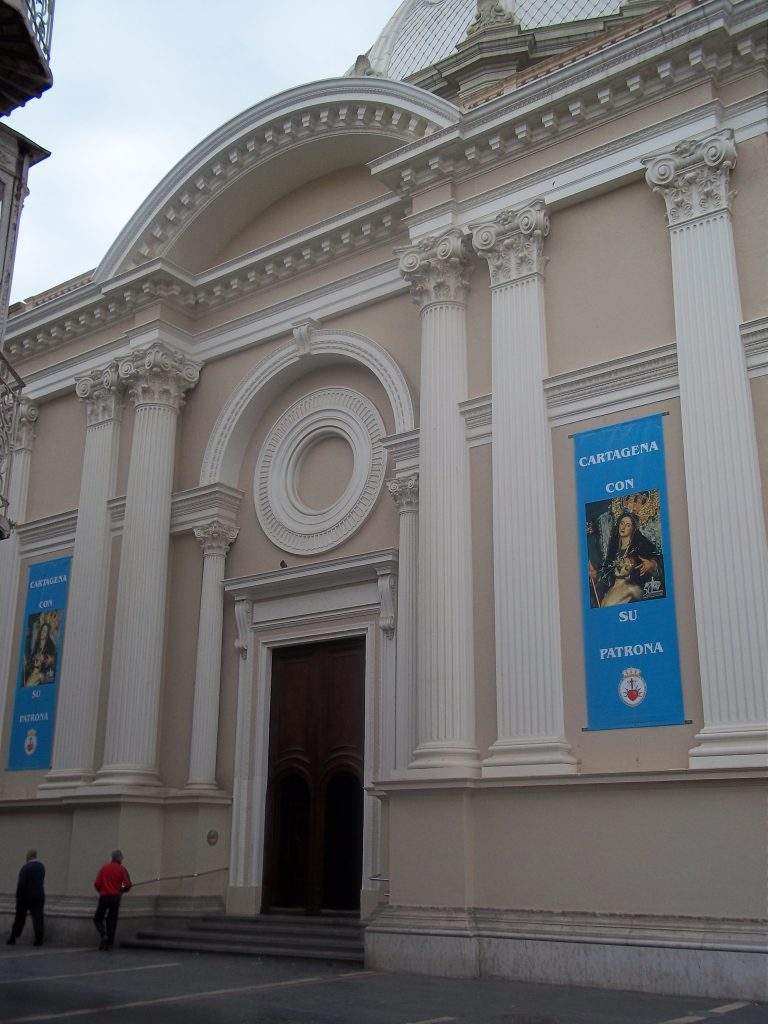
[{"x": 286, "y": 935}]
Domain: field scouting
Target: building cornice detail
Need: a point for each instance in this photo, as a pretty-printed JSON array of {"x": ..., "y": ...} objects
[
  {"x": 513, "y": 242},
  {"x": 617, "y": 385},
  {"x": 88, "y": 309},
  {"x": 714, "y": 40},
  {"x": 437, "y": 268},
  {"x": 694, "y": 176}
]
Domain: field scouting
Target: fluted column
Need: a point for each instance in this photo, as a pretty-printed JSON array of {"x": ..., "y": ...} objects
[
  {"x": 81, "y": 670},
  {"x": 9, "y": 548},
  {"x": 729, "y": 554},
  {"x": 156, "y": 378},
  {"x": 405, "y": 494},
  {"x": 215, "y": 540},
  {"x": 437, "y": 270},
  {"x": 529, "y": 675}
]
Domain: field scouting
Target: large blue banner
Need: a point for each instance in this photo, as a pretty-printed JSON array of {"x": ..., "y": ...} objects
[
  {"x": 628, "y": 600},
  {"x": 42, "y": 640}
]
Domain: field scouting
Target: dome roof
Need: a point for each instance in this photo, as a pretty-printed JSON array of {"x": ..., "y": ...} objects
[{"x": 422, "y": 32}]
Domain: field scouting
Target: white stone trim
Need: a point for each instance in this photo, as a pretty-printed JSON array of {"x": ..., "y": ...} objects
[
  {"x": 240, "y": 415},
  {"x": 315, "y": 602},
  {"x": 327, "y": 412},
  {"x": 629, "y": 382}
]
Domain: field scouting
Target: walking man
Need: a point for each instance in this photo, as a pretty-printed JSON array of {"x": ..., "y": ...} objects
[
  {"x": 30, "y": 896},
  {"x": 111, "y": 882}
]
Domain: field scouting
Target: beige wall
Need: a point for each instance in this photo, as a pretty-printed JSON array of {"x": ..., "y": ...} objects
[
  {"x": 615, "y": 246},
  {"x": 750, "y": 225},
  {"x": 481, "y": 488},
  {"x": 57, "y": 458},
  {"x": 316, "y": 201}
]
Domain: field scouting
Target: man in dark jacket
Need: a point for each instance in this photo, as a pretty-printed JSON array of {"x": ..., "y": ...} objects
[{"x": 30, "y": 896}]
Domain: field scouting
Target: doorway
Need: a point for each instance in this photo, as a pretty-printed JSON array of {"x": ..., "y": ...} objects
[{"x": 314, "y": 805}]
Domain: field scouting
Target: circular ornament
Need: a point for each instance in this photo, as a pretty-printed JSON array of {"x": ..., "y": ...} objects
[
  {"x": 632, "y": 688},
  {"x": 326, "y": 413}
]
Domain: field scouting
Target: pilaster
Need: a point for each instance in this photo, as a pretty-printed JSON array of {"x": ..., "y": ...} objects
[
  {"x": 215, "y": 540},
  {"x": 9, "y": 549},
  {"x": 156, "y": 378},
  {"x": 437, "y": 269},
  {"x": 729, "y": 553},
  {"x": 405, "y": 494},
  {"x": 529, "y": 678},
  {"x": 101, "y": 392}
]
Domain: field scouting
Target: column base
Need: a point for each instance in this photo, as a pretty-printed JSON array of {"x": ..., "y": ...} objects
[
  {"x": 737, "y": 746},
  {"x": 529, "y": 756},
  {"x": 59, "y": 781},
  {"x": 446, "y": 762},
  {"x": 201, "y": 787},
  {"x": 126, "y": 775}
]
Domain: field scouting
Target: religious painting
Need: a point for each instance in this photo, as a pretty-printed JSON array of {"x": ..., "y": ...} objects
[
  {"x": 42, "y": 647},
  {"x": 625, "y": 549}
]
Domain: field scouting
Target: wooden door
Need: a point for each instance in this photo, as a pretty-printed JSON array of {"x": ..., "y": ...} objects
[{"x": 314, "y": 827}]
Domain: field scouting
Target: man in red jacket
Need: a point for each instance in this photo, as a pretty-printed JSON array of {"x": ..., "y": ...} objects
[{"x": 111, "y": 882}]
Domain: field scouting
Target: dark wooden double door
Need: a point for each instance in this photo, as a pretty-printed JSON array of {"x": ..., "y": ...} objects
[{"x": 314, "y": 824}]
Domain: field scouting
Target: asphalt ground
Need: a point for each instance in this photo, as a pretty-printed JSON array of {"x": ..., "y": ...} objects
[{"x": 147, "y": 987}]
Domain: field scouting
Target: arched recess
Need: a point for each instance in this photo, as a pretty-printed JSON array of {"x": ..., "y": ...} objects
[
  {"x": 251, "y": 155},
  {"x": 311, "y": 349}
]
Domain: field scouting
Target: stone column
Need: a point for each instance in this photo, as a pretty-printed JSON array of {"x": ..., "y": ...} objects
[
  {"x": 437, "y": 270},
  {"x": 81, "y": 670},
  {"x": 157, "y": 378},
  {"x": 9, "y": 548},
  {"x": 405, "y": 494},
  {"x": 529, "y": 675},
  {"x": 215, "y": 540},
  {"x": 729, "y": 554}
]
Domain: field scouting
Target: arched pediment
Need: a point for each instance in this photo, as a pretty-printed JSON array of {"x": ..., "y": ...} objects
[
  {"x": 312, "y": 348},
  {"x": 268, "y": 151}
]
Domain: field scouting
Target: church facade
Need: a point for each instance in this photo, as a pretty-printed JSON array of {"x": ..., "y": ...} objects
[{"x": 391, "y": 513}]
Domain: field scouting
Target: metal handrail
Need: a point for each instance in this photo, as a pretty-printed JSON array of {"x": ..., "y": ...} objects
[{"x": 40, "y": 14}]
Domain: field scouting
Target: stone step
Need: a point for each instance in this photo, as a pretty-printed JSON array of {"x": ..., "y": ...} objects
[
  {"x": 292, "y": 941},
  {"x": 326, "y": 933},
  {"x": 297, "y": 952}
]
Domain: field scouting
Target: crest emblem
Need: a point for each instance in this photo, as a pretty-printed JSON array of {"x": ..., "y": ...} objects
[
  {"x": 30, "y": 742},
  {"x": 632, "y": 688}
]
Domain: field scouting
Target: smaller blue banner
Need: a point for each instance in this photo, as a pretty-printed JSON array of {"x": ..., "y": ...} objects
[
  {"x": 42, "y": 641},
  {"x": 628, "y": 604}
]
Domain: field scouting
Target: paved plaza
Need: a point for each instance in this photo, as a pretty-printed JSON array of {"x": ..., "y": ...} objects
[{"x": 127, "y": 986}]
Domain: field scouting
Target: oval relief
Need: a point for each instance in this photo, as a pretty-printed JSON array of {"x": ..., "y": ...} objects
[{"x": 331, "y": 427}]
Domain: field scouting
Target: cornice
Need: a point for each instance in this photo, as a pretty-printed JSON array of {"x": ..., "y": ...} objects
[
  {"x": 48, "y": 534},
  {"x": 190, "y": 510},
  {"x": 85, "y": 310},
  {"x": 614, "y": 386},
  {"x": 344, "y": 106},
  {"x": 302, "y": 579},
  {"x": 694, "y": 46}
]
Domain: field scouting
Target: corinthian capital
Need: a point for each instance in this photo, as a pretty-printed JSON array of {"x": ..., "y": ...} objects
[
  {"x": 216, "y": 537},
  {"x": 693, "y": 177},
  {"x": 437, "y": 268},
  {"x": 513, "y": 242},
  {"x": 404, "y": 491},
  {"x": 102, "y": 392},
  {"x": 158, "y": 375}
]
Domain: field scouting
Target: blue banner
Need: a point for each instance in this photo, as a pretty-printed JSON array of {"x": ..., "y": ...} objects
[
  {"x": 42, "y": 641},
  {"x": 628, "y": 601}
]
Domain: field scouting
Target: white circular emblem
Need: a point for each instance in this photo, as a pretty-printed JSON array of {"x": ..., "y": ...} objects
[
  {"x": 327, "y": 413},
  {"x": 632, "y": 688},
  {"x": 30, "y": 742}
]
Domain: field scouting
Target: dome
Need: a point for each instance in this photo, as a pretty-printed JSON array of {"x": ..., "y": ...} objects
[{"x": 422, "y": 32}]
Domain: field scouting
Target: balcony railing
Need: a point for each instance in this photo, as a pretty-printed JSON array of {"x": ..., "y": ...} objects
[
  {"x": 10, "y": 393},
  {"x": 40, "y": 14}
]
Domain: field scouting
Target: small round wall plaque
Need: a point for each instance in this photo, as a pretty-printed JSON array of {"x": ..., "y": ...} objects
[{"x": 212, "y": 837}]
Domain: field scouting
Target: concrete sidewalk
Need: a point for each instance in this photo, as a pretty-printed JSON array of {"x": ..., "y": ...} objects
[{"x": 143, "y": 987}]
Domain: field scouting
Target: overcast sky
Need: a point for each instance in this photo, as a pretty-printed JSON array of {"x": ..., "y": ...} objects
[{"x": 137, "y": 84}]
